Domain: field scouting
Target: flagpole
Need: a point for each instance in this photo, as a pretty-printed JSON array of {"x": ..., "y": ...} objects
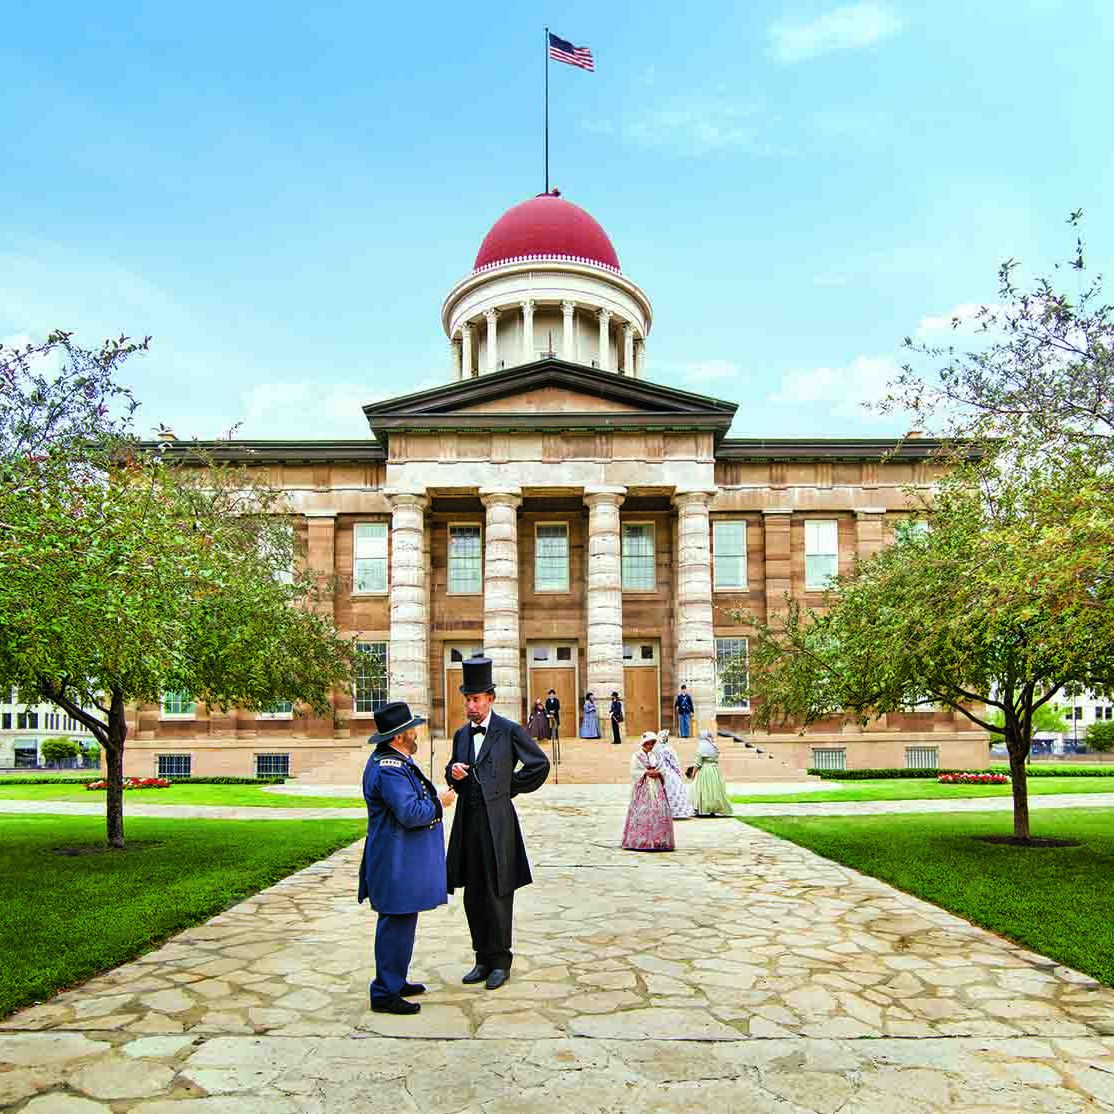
[{"x": 546, "y": 110}]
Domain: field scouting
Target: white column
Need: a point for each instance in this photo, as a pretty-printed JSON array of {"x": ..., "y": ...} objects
[
  {"x": 568, "y": 341},
  {"x": 501, "y": 632},
  {"x": 696, "y": 643},
  {"x": 492, "y": 316},
  {"x": 605, "y": 340},
  {"x": 408, "y": 657},
  {"x": 454, "y": 359},
  {"x": 528, "y": 330},
  {"x": 640, "y": 358},
  {"x": 628, "y": 349},
  {"x": 605, "y": 592},
  {"x": 466, "y": 351}
]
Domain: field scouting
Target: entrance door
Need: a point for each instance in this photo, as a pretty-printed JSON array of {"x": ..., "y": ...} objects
[
  {"x": 455, "y": 653},
  {"x": 553, "y": 666},
  {"x": 641, "y": 700}
]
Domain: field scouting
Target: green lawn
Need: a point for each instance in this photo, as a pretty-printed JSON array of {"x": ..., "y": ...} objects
[
  {"x": 1056, "y": 901},
  {"x": 253, "y": 795},
  {"x": 927, "y": 789},
  {"x": 68, "y": 916}
]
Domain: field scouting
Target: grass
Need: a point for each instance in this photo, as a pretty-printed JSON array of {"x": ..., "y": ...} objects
[
  {"x": 1055, "y": 901},
  {"x": 926, "y": 789},
  {"x": 255, "y": 796},
  {"x": 68, "y": 916}
]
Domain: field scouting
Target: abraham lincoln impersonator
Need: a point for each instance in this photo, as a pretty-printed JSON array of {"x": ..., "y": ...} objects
[{"x": 492, "y": 761}]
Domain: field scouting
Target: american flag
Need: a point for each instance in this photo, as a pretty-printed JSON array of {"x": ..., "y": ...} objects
[{"x": 561, "y": 50}]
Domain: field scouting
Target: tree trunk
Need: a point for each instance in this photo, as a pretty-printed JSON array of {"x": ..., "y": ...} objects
[
  {"x": 114, "y": 764},
  {"x": 1020, "y": 784}
]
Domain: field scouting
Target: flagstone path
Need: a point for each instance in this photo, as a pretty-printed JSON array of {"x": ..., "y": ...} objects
[{"x": 739, "y": 973}]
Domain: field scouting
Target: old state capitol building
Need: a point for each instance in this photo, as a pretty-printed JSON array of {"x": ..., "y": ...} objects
[{"x": 588, "y": 529}]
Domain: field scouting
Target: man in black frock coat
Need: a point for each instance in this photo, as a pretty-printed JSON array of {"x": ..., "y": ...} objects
[{"x": 486, "y": 854}]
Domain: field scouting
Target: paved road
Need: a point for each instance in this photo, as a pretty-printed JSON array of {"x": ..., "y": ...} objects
[{"x": 740, "y": 973}]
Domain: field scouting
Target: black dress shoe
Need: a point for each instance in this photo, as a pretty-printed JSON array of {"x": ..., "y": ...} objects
[
  {"x": 477, "y": 974},
  {"x": 496, "y": 979},
  {"x": 411, "y": 989},
  {"x": 396, "y": 1004}
]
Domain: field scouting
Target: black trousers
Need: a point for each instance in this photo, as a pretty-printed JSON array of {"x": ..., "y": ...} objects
[
  {"x": 489, "y": 915},
  {"x": 616, "y": 734}
]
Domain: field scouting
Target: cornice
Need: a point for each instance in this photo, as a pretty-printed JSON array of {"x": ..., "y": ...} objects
[
  {"x": 271, "y": 452},
  {"x": 850, "y": 449}
]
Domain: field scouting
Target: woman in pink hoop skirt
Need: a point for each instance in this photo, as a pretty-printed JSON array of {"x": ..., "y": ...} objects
[{"x": 649, "y": 825}]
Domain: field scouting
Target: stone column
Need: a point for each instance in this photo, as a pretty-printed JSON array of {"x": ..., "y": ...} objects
[
  {"x": 640, "y": 359},
  {"x": 492, "y": 316},
  {"x": 455, "y": 363},
  {"x": 628, "y": 349},
  {"x": 605, "y": 592},
  {"x": 501, "y": 633},
  {"x": 605, "y": 340},
  {"x": 696, "y": 643},
  {"x": 779, "y": 576},
  {"x": 408, "y": 656},
  {"x": 568, "y": 339},
  {"x": 869, "y": 538},
  {"x": 466, "y": 351},
  {"x": 528, "y": 330}
]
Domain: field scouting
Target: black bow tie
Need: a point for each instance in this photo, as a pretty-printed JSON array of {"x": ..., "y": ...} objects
[{"x": 476, "y": 729}]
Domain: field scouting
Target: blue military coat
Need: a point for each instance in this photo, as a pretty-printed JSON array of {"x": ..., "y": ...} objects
[{"x": 403, "y": 866}]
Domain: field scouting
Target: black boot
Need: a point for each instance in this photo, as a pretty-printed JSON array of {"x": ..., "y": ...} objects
[
  {"x": 395, "y": 1004},
  {"x": 477, "y": 974}
]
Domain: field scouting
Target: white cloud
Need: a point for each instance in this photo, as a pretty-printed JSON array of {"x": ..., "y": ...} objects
[
  {"x": 966, "y": 313},
  {"x": 845, "y": 391},
  {"x": 696, "y": 373},
  {"x": 847, "y": 28}
]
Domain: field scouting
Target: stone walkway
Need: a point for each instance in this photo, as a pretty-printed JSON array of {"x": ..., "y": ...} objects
[{"x": 741, "y": 972}]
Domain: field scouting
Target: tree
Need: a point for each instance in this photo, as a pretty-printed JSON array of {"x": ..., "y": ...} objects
[
  {"x": 1004, "y": 601},
  {"x": 1048, "y": 719},
  {"x": 59, "y": 749},
  {"x": 123, "y": 577},
  {"x": 1100, "y": 737}
]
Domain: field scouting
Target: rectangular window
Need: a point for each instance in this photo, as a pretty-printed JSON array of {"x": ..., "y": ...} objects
[
  {"x": 369, "y": 560},
  {"x": 922, "y": 758},
  {"x": 732, "y": 682},
  {"x": 638, "y": 557},
  {"x": 21, "y": 721},
  {"x": 175, "y": 765},
  {"x": 1077, "y": 712},
  {"x": 33, "y": 720},
  {"x": 280, "y": 709},
  {"x": 370, "y": 683},
  {"x": 465, "y": 560},
  {"x": 272, "y": 765},
  {"x": 821, "y": 553},
  {"x": 6, "y": 721},
  {"x": 551, "y": 557},
  {"x": 729, "y": 544},
  {"x": 178, "y": 704},
  {"x": 829, "y": 758}
]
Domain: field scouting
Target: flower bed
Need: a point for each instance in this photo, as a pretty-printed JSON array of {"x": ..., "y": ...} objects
[
  {"x": 135, "y": 783},
  {"x": 973, "y": 779}
]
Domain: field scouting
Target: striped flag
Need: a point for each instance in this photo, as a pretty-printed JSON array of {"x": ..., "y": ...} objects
[{"x": 561, "y": 50}]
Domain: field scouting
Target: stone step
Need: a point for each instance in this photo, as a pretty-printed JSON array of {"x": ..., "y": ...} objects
[{"x": 583, "y": 761}]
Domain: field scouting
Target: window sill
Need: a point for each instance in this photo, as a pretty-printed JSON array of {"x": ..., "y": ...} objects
[
  {"x": 640, "y": 591},
  {"x": 478, "y": 594},
  {"x": 372, "y": 594},
  {"x": 170, "y": 716},
  {"x": 737, "y": 710},
  {"x": 552, "y": 591},
  {"x": 736, "y": 588},
  {"x": 361, "y": 715},
  {"x": 274, "y": 715}
]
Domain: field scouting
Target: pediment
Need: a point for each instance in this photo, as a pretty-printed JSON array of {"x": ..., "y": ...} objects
[{"x": 550, "y": 394}]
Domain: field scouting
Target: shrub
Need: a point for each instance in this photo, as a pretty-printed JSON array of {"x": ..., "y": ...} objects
[
  {"x": 1033, "y": 771},
  {"x": 134, "y": 783},
  {"x": 973, "y": 779},
  {"x": 58, "y": 749},
  {"x": 1100, "y": 736},
  {"x": 55, "y": 779}
]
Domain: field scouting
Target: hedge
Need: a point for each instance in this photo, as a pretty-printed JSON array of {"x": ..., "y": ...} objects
[
  {"x": 95, "y": 775},
  {"x": 1034, "y": 771}
]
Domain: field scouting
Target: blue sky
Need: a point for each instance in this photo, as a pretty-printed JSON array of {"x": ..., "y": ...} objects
[{"x": 282, "y": 194}]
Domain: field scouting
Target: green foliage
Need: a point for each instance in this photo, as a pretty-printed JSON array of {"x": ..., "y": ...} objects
[
  {"x": 1100, "y": 736},
  {"x": 875, "y": 775},
  {"x": 58, "y": 749},
  {"x": 1048, "y": 719}
]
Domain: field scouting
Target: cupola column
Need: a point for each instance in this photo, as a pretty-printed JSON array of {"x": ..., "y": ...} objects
[
  {"x": 492, "y": 316},
  {"x": 466, "y": 351},
  {"x": 527, "y": 330},
  {"x": 628, "y": 349},
  {"x": 568, "y": 344},
  {"x": 640, "y": 358},
  {"x": 454, "y": 359},
  {"x": 605, "y": 340}
]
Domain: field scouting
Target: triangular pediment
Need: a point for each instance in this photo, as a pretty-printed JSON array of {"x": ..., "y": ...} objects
[{"x": 550, "y": 394}]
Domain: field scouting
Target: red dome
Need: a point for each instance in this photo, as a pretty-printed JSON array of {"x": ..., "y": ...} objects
[{"x": 548, "y": 226}]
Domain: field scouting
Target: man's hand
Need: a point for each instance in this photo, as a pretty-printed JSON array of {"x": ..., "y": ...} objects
[
  {"x": 447, "y": 797},
  {"x": 459, "y": 771}
]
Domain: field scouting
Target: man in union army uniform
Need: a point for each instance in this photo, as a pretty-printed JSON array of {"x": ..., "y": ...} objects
[
  {"x": 402, "y": 871},
  {"x": 492, "y": 761}
]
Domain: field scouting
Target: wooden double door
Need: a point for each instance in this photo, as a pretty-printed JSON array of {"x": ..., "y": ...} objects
[
  {"x": 641, "y": 686},
  {"x": 554, "y": 666}
]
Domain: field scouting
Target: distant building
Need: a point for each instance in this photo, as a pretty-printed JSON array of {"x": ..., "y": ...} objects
[{"x": 24, "y": 726}]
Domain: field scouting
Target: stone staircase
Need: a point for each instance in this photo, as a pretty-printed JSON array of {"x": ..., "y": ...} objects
[{"x": 583, "y": 761}]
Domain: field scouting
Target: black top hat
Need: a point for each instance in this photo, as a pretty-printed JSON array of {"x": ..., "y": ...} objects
[
  {"x": 477, "y": 676},
  {"x": 392, "y": 719}
]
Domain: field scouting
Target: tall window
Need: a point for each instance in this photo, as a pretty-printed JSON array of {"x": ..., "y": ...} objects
[
  {"x": 369, "y": 560},
  {"x": 821, "y": 553},
  {"x": 178, "y": 704},
  {"x": 272, "y": 765},
  {"x": 732, "y": 681},
  {"x": 370, "y": 684},
  {"x": 730, "y": 552},
  {"x": 551, "y": 557},
  {"x": 175, "y": 765},
  {"x": 465, "y": 560},
  {"x": 638, "y": 557}
]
